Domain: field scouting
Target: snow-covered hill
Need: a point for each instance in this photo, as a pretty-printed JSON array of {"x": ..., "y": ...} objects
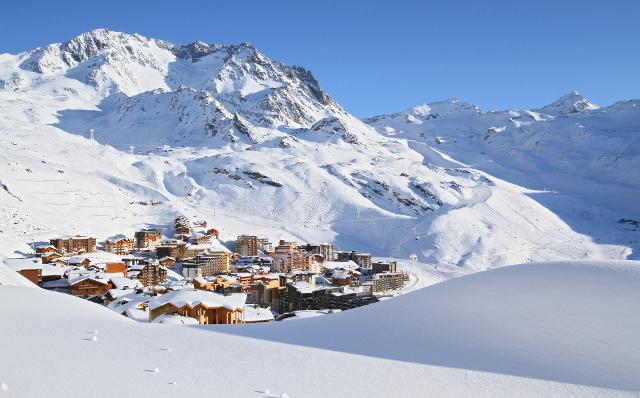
[
  {"x": 544, "y": 330},
  {"x": 92, "y": 128}
]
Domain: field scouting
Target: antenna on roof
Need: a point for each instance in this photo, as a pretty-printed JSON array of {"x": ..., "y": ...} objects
[
  {"x": 131, "y": 148},
  {"x": 91, "y": 131}
]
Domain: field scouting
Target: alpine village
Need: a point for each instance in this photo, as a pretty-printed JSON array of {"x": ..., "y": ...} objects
[{"x": 193, "y": 278}]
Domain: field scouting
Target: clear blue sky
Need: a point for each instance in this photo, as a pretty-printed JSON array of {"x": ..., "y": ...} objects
[{"x": 379, "y": 57}]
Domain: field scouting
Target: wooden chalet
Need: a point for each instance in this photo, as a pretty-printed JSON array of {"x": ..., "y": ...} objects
[{"x": 205, "y": 307}]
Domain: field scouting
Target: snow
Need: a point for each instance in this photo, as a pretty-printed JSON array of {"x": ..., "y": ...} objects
[
  {"x": 463, "y": 189},
  {"x": 180, "y": 298},
  {"x": 555, "y": 329},
  {"x": 253, "y": 313}
]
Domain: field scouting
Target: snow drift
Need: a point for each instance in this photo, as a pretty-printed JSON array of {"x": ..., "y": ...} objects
[{"x": 555, "y": 329}]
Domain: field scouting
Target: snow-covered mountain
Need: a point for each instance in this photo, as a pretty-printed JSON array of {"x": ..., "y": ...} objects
[{"x": 92, "y": 128}]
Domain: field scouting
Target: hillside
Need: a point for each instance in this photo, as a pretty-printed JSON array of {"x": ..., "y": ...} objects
[
  {"x": 556, "y": 329},
  {"x": 94, "y": 129}
]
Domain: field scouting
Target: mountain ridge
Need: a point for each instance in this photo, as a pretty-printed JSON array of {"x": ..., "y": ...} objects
[{"x": 190, "y": 134}]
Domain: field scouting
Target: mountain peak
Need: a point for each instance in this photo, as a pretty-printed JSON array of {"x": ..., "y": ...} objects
[{"x": 573, "y": 102}]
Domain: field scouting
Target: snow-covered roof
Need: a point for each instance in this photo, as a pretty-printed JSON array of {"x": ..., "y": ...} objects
[
  {"x": 117, "y": 293},
  {"x": 340, "y": 264},
  {"x": 175, "y": 320},
  {"x": 304, "y": 287},
  {"x": 58, "y": 283},
  {"x": 18, "y": 264},
  {"x": 125, "y": 283},
  {"x": 183, "y": 297},
  {"x": 253, "y": 313},
  {"x": 91, "y": 277}
]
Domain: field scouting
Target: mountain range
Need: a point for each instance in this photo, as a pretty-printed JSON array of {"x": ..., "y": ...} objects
[{"x": 94, "y": 129}]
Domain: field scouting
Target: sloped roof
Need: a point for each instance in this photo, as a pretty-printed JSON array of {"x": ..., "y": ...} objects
[{"x": 183, "y": 297}]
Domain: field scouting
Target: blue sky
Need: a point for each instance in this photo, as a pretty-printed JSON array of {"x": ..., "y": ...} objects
[{"x": 380, "y": 57}]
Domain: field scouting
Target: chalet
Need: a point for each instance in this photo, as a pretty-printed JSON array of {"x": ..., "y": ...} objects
[
  {"x": 201, "y": 239},
  {"x": 45, "y": 249},
  {"x": 152, "y": 274},
  {"x": 50, "y": 257},
  {"x": 203, "y": 284},
  {"x": 213, "y": 232},
  {"x": 341, "y": 277},
  {"x": 167, "y": 262},
  {"x": 30, "y": 268},
  {"x": 79, "y": 261},
  {"x": 122, "y": 283},
  {"x": 119, "y": 245},
  {"x": 89, "y": 286},
  {"x": 205, "y": 307},
  {"x": 74, "y": 244}
]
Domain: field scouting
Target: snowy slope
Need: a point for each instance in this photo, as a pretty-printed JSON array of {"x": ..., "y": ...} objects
[
  {"x": 545, "y": 330},
  {"x": 92, "y": 128}
]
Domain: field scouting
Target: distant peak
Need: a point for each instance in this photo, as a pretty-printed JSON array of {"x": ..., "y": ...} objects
[{"x": 573, "y": 102}]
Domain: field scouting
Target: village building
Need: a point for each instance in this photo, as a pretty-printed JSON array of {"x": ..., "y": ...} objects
[
  {"x": 342, "y": 277},
  {"x": 131, "y": 260},
  {"x": 256, "y": 314},
  {"x": 362, "y": 259},
  {"x": 204, "y": 266},
  {"x": 74, "y": 244},
  {"x": 175, "y": 249},
  {"x": 147, "y": 238},
  {"x": 288, "y": 256},
  {"x": 167, "y": 261},
  {"x": 264, "y": 245},
  {"x": 50, "y": 257},
  {"x": 263, "y": 290},
  {"x": 200, "y": 239},
  {"x": 247, "y": 245},
  {"x": 387, "y": 281},
  {"x": 384, "y": 266},
  {"x": 326, "y": 250},
  {"x": 304, "y": 296},
  {"x": 45, "y": 249},
  {"x": 111, "y": 268},
  {"x": 122, "y": 283},
  {"x": 205, "y": 307},
  {"x": 79, "y": 261},
  {"x": 29, "y": 267},
  {"x": 213, "y": 232},
  {"x": 86, "y": 286},
  {"x": 152, "y": 274},
  {"x": 119, "y": 245}
]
